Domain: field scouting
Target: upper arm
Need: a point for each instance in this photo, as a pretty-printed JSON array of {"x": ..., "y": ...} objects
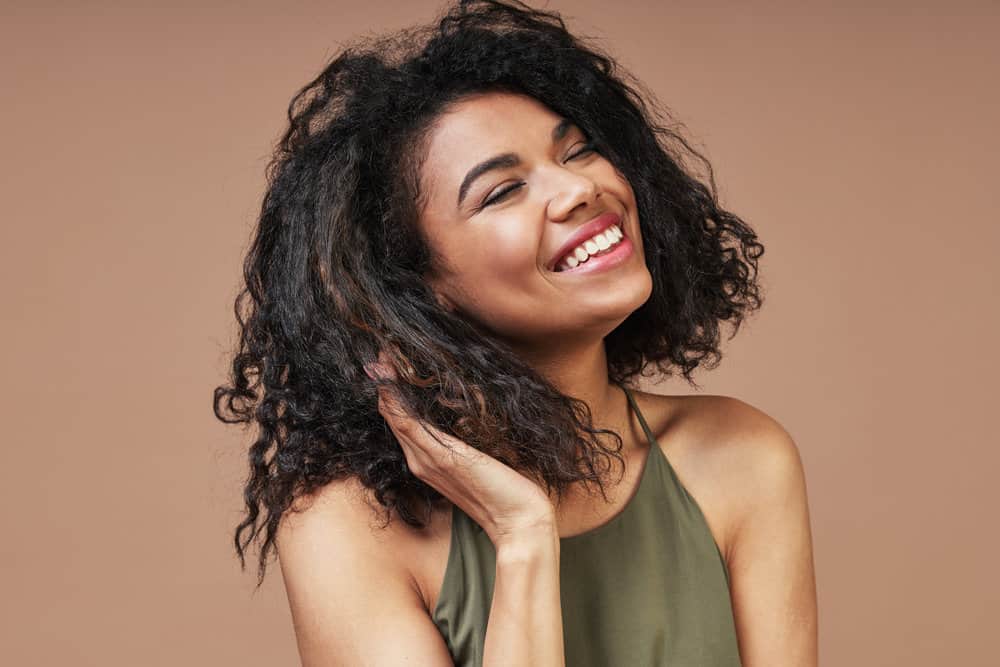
[
  {"x": 352, "y": 602},
  {"x": 770, "y": 554}
]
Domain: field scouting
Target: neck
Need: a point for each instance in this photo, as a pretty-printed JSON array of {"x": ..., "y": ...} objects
[{"x": 580, "y": 370}]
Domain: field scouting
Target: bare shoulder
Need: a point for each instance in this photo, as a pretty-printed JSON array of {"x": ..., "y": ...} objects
[
  {"x": 343, "y": 512},
  {"x": 345, "y": 509},
  {"x": 737, "y": 435},
  {"x": 343, "y": 566},
  {"x": 336, "y": 521},
  {"x": 733, "y": 457},
  {"x": 748, "y": 470},
  {"x": 338, "y": 508}
]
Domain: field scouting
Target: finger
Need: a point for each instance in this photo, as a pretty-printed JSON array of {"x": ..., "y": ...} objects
[
  {"x": 378, "y": 370},
  {"x": 412, "y": 456},
  {"x": 422, "y": 436},
  {"x": 381, "y": 368},
  {"x": 392, "y": 408},
  {"x": 439, "y": 447}
]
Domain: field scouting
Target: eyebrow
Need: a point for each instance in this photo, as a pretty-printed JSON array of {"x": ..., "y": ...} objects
[{"x": 505, "y": 160}]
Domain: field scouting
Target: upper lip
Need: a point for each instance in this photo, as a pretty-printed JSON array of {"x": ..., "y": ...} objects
[{"x": 582, "y": 233}]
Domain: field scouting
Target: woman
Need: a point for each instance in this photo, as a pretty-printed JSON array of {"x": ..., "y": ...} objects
[{"x": 476, "y": 236}]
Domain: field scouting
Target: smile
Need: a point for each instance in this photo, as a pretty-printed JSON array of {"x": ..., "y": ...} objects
[{"x": 602, "y": 252}]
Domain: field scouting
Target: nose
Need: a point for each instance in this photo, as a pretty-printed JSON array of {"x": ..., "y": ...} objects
[{"x": 572, "y": 190}]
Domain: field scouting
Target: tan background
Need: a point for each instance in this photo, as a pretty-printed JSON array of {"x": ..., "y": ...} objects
[{"x": 859, "y": 141}]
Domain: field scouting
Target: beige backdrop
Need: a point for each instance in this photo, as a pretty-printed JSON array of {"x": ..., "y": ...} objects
[{"x": 859, "y": 140}]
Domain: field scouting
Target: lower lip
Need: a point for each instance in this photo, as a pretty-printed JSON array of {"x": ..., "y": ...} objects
[{"x": 621, "y": 252}]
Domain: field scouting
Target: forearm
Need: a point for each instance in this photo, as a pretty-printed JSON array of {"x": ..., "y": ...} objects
[{"x": 525, "y": 625}]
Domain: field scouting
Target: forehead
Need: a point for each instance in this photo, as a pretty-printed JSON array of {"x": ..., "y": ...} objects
[
  {"x": 487, "y": 115},
  {"x": 479, "y": 127}
]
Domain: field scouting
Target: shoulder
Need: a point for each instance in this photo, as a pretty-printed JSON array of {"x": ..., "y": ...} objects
[
  {"x": 342, "y": 569},
  {"x": 736, "y": 459},
  {"x": 341, "y": 522},
  {"x": 729, "y": 435},
  {"x": 741, "y": 436},
  {"x": 337, "y": 513},
  {"x": 752, "y": 469}
]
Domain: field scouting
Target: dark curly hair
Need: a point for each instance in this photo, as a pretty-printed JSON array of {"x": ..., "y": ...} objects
[{"x": 336, "y": 270}]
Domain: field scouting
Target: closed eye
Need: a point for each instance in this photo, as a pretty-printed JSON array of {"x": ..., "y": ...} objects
[
  {"x": 501, "y": 195},
  {"x": 589, "y": 147}
]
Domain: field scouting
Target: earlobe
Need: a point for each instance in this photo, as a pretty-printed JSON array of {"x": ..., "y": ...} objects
[
  {"x": 440, "y": 298},
  {"x": 435, "y": 281},
  {"x": 444, "y": 302}
]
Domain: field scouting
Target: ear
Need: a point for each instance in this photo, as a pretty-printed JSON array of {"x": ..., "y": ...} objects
[
  {"x": 439, "y": 295},
  {"x": 444, "y": 301}
]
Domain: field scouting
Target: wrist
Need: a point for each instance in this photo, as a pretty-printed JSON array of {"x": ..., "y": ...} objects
[{"x": 528, "y": 545}]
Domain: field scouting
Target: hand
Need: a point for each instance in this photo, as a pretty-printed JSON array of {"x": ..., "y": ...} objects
[{"x": 505, "y": 503}]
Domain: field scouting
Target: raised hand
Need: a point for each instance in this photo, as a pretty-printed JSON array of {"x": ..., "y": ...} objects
[{"x": 505, "y": 503}]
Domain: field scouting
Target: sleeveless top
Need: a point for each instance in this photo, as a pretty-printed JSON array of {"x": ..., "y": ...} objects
[{"x": 648, "y": 588}]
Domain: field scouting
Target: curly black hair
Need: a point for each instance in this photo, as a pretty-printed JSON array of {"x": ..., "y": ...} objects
[{"x": 335, "y": 272}]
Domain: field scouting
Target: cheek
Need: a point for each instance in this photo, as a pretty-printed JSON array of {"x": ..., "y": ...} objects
[
  {"x": 622, "y": 185},
  {"x": 506, "y": 249}
]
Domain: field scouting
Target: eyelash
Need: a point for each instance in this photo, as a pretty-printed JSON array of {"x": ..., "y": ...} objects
[{"x": 588, "y": 147}]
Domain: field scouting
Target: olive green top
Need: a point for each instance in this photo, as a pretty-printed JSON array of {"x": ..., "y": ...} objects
[{"x": 649, "y": 588}]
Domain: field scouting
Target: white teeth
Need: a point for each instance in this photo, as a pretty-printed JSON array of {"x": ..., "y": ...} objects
[{"x": 611, "y": 236}]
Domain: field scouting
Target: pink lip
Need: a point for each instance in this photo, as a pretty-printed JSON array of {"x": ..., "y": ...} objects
[
  {"x": 621, "y": 252},
  {"x": 586, "y": 231}
]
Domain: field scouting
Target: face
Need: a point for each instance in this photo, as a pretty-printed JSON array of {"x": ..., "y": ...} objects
[{"x": 508, "y": 186}]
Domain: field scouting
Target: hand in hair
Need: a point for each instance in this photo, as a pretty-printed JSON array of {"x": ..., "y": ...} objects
[{"x": 505, "y": 503}]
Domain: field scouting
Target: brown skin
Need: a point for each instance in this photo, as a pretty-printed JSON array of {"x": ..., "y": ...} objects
[
  {"x": 739, "y": 464},
  {"x": 525, "y": 615},
  {"x": 492, "y": 267},
  {"x": 744, "y": 471},
  {"x": 501, "y": 500}
]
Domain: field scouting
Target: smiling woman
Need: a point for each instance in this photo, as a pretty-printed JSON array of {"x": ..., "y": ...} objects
[
  {"x": 544, "y": 192},
  {"x": 476, "y": 236}
]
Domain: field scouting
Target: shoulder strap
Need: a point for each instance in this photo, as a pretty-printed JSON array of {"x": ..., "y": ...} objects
[{"x": 642, "y": 420}]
